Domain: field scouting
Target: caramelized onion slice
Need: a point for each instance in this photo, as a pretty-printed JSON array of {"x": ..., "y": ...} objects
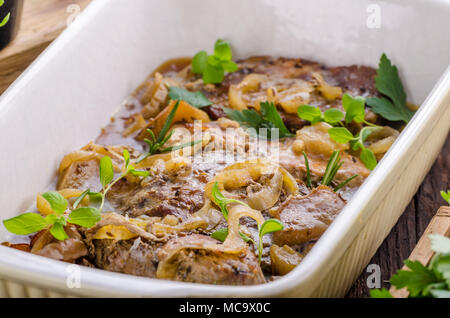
[
  {"x": 243, "y": 174},
  {"x": 249, "y": 83},
  {"x": 115, "y": 226},
  {"x": 381, "y": 140},
  {"x": 185, "y": 112},
  {"x": 234, "y": 241},
  {"x": 329, "y": 92}
]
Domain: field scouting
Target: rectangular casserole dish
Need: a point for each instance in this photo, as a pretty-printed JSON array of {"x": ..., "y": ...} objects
[{"x": 61, "y": 102}]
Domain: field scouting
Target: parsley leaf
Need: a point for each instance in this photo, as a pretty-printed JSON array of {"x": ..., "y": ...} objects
[
  {"x": 340, "y": 134},
  {"x": 221, "y": 235},
  {"x": 106, "y": 171},
  {"x": 425, "y": 281},
  {"x": 354, "y": 108},
  {"x": 199, "y": 62},
  {"x": 393, "y": 105},
  {"x": 57, "y": 230},
  {"x": 268, "y": 119},
  {"x": 213, "y": 67},
  {"x": 269, "y": 226},
  {"x": 380, "y": 293},
  {"x": 416, "y": 279},
  {"x": 223, "y": 201},
  {"x": 25, "y": 224},
  {"x": 196, "y": 99},
  {"x": 315, "y": 115},
  {"x": 343, "y": 135},
  {"x": 270, "y": 114},
  {"x": 57, "y": 202},
  {"x": 85, "y": 217}
]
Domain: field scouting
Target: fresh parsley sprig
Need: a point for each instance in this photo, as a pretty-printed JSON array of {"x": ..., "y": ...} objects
[
  {"x": 269, "y": 226},
  {"x": 446, "y": 196},
  {"x": 268, "y": 119},
  {"x": 156, "y": 144},
  {"x": 393, "y": 105},
  {"x": 213, "y": 67},
  {"x": 424, "y": 281},
  {"x": 196, "y": 99}
]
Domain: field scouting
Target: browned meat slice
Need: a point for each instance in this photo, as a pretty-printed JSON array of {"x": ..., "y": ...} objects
[
  {"x": 293, "y": 122},
  {"x": 158, "y": 197},
  {"x": 305, "y": 218},
  {"x": 134, "y": 257},
  {"x": 70, "y": 250},
  {"x": 189, "y": 259},
  {"x": 358, "y": 80},
  {"x": 80, "y": 175}
]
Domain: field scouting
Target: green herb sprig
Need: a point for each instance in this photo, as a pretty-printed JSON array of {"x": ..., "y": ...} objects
[
  {"x": 308, "y": 172},
  {"x": 7, "y": 17},
  {"x": 87, "y": 217},
  {"x": 29, "y": 223},
  {"x": 333, "y": 166},
  {"x": 424, "y": 281},
  {"x": 156, "y": 144},
  {"x": 196, "y": 99},
  {"x": 269, "y": 226},
  {"x": 343, "y": 135},
  {"x": 107, "y": 174},
  {"x": 268, "y": 119},
  {"x": 393, "y": 105},
  {"x": 213, "y": 67},
  {"x": 315, "y": 115},
  {"x": 354, "y": 112}
]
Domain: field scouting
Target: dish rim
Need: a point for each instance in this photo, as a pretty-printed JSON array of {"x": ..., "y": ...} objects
[{"x": 31, "y": 268}]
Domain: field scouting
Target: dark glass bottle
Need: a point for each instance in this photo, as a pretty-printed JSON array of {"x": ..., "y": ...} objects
[{"x": 9, "y": 31}]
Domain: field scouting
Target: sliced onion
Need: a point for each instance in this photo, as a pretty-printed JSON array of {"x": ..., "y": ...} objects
[
  {"x": 185, "y": 113},
  {"x": 329, "y": 92},
  {"x": 249, "y": 83},
  {"x": 234, "y": 242},
  {"x": 121, "y": 228},
  {"x": 241, "y": 174},
  {"x": 138, "y": 124}
]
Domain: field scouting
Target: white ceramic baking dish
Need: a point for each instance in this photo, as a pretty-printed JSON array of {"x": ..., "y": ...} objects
[{"x": 62, "y": 100}]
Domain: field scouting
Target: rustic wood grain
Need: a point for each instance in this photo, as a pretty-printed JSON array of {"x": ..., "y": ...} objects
[
  {"x": 411, "y": 225},
  {"x": 42, "y": 22}
]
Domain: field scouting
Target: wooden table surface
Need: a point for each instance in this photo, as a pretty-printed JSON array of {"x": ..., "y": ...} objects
[{"x": 43, "y": 20}]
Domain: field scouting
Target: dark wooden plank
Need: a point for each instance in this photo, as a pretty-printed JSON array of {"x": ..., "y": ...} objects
[{"x": 411, "y": 225}]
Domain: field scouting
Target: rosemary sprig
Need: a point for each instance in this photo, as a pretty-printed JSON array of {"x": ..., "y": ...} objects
[
  {"x": 334, "y": 164},
  {"x": 343, "y": 184},
  {"x": 156, "y": 144},
  {"x": 308, "y": 172}
]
